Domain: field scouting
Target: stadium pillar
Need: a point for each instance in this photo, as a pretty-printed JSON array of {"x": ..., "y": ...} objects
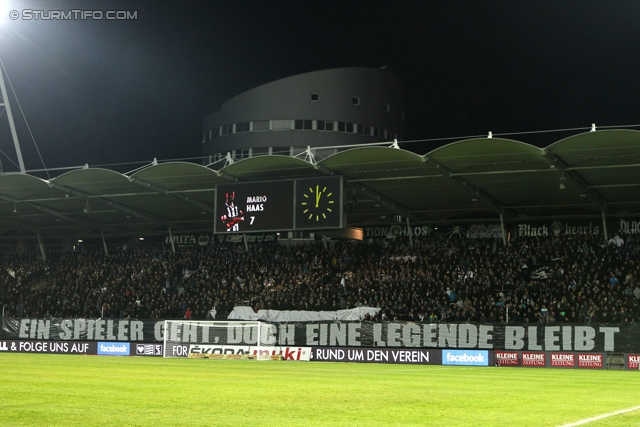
[
  {"x": 504, "y": 235},
  {"x": 409, "y": 232},
  {"x": 104, "y": 243},
  {"x": 246, "y": 245},
  {"x": 604, "y": 227},
  {"x": 173, "y": 246},
  {"x": 12, "y": 125},
  {"x": 42, "y": 251}
]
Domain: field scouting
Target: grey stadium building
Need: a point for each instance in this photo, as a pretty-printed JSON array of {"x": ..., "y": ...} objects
[{"x": 323, "y": 109}]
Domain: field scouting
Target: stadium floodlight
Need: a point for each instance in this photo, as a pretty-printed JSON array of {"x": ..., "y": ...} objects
[
  {"x": 219, "y": 340},
  {"x": 5, "y": 8}
]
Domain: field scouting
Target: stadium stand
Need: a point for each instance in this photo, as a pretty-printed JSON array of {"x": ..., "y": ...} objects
[{"x": 544, "y": 279}]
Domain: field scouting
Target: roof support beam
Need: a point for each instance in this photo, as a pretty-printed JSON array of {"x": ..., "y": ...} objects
[
  {"x": 53, "y": 212},
  {"x": 145, "y": 216},
  {"x": 501, "y": 172},
  {"x": 614, "y": 186},
  {"x": 395, "y": 178},
  {"x": 560, "y": 165},
  {"x": 480, "y": 194},
  {"x": 158, "y": 189},
  {"x": 581, "y": 168}
]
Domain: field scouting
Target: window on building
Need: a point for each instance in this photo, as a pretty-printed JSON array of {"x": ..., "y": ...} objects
[
  {"x": 242, "y": 154},
  {"x": 385, "y": 134},
  {"x": 260, "y": 125},
  {"x": 281, "y": 124},
  {"x": 303, "y": 125},
  {"x": 387, "y": 107},
  {"x": 243, "y": 127},
  {"x": 361, "y": 129},
  {"x": 324, "y": 125},
  {"x": 355, "y": 100},
  {"x": 224, "y": 130},
  {"x": 342, "y": 127},
  {"x": 315, "y": 97},
  {"x": 349, "y": 128}
]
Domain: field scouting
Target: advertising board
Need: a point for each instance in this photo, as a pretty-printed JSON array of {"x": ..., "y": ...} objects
[
  {"x": 51, "y": 347},
  {"x": 633, "y": 361},
  {"x": 507, "y": 358},
  {"x": 465, "y": 357},
  {"x": 114, "y": 348},
  {"x": 534, "y": 359},
  {"x": 591, "y": 360},
  {"x": 562, "y": 360},
  {"x": 205, "y": 351},
  {"x": 376, "y": 355},
  {"x": 147, "y": 349}
]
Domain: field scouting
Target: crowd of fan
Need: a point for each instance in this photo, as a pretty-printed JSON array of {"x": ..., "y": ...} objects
[{"x": 437, "y": 279}]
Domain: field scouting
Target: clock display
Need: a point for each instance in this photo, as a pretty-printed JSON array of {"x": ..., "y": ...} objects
[{"x": 319, "y": 203}]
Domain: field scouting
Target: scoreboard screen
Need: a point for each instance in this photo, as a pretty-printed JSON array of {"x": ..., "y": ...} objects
[
  {"x": 254, "y": 207},
  {"x": 300, "y": 204}
]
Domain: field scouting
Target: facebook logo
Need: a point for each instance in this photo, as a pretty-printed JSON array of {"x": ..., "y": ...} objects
[
  {"x": 465, "y": 357},
  {"x": 114, "y": 348}
]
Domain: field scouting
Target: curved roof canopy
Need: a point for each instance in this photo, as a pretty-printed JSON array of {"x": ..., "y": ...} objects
[{"x": 469, "y": 180}]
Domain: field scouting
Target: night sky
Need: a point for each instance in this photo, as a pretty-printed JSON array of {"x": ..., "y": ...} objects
[{"x": 103, "y": 92}]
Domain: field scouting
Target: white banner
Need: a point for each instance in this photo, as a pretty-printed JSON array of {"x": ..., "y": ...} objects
[{"x": 278, "y": 316}]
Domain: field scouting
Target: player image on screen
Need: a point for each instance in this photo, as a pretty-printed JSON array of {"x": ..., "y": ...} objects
[
  {"x": 234, "y": 215},
  {"x": 254, "y": 206}
]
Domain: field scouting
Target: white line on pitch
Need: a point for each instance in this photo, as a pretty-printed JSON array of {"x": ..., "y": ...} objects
[{"x": 599, "y": 417}]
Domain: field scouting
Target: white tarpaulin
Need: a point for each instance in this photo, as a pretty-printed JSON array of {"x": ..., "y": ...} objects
[{"x": 247, "y": 313}]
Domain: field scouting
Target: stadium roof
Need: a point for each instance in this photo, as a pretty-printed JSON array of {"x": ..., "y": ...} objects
[{"x": 469, "y": 180}]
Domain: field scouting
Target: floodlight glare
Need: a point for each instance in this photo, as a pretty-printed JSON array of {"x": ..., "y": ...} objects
[{"x": 5, "y": 8}]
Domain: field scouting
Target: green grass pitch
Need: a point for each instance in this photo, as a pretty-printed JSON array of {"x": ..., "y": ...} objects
[{"x": 61, "y": 390}]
